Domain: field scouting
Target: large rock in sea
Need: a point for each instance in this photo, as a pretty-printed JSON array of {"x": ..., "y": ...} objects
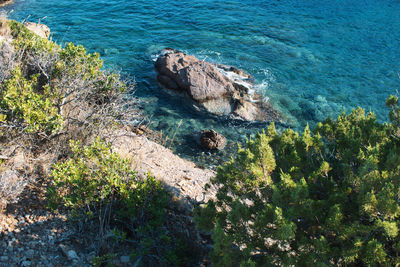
[{"x": 220, "y": 90}]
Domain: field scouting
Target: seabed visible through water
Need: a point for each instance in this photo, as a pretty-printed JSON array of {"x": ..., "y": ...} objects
[{"x": 311, "y": 59}]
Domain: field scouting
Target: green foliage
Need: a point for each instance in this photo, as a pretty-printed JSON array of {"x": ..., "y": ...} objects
[
  {"x": 143, "y": 208},
  {"x": 393, "y": 103},
  {"x": 72, "y": 60},
  {"x": 92, "y": 179},
  {"x": 76, "y": 62},
  {"x": 47, "y": 77},
  {"x": 330, "y": 197},
  {"x": 21, "y": 104},
  {"x": 97, "y": 183},
  {"x": 26, "y": 40},
  {"x": 105, "y": 260}
]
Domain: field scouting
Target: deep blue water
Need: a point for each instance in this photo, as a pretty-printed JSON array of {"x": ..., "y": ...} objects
[{"x": 311, "y": 58}]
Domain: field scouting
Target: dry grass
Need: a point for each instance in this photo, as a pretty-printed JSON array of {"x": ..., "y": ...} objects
[{"x": 5, "y": 30}]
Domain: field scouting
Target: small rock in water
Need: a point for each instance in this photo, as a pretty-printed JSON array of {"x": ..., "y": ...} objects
[{"x": 210, "y": 139}]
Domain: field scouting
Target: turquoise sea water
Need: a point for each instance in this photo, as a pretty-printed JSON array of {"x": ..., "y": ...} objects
[{"x": 312, "y": 59}]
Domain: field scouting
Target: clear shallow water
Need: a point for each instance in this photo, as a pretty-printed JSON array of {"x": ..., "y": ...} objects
[{"x": 311, "y": 59}]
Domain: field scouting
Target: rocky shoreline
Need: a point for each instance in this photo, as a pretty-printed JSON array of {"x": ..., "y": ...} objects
[
  {"x": 32, "y": 235},
  {"x": 183, "y": 178}
]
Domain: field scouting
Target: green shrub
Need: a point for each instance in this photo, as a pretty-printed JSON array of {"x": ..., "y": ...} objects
[
  {"x": 330, "y": 197},
  {"x": 50, "y": 94},
  {"x": 28, "y": 42},
  {"x": 72, "y": 61},
  {"x": 96, "y": 183},
  {"x": 105, "y": 260},
  {"x": 22, "y": 105},
  {"x": 77, "y": 61},
  {"x": 92, "y": 181},
  {"x": 52, "y": 87}
]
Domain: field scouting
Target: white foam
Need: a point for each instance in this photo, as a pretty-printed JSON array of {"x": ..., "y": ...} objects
[{"x": 154, "y": 57}]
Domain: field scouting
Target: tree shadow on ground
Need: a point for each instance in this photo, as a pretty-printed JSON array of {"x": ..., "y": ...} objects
[{"x": 33, "y": 235}]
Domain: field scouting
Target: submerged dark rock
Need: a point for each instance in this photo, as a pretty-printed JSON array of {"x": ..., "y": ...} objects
[
  {"x": 210, "y": 139},
  {"x": 220, "y": 89}
]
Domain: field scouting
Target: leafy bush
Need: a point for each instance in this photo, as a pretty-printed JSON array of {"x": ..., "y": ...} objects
[
  {"x": 53, "y": 88},
  {"x": 330, "y": 197},
  {"x": 91, "y": 178},
  {"x": 50, "y": 94},
  {"x": 22, "y": 105},
  {"x": 97, "y": 183},
  {"x": 24, "y": 39}
]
